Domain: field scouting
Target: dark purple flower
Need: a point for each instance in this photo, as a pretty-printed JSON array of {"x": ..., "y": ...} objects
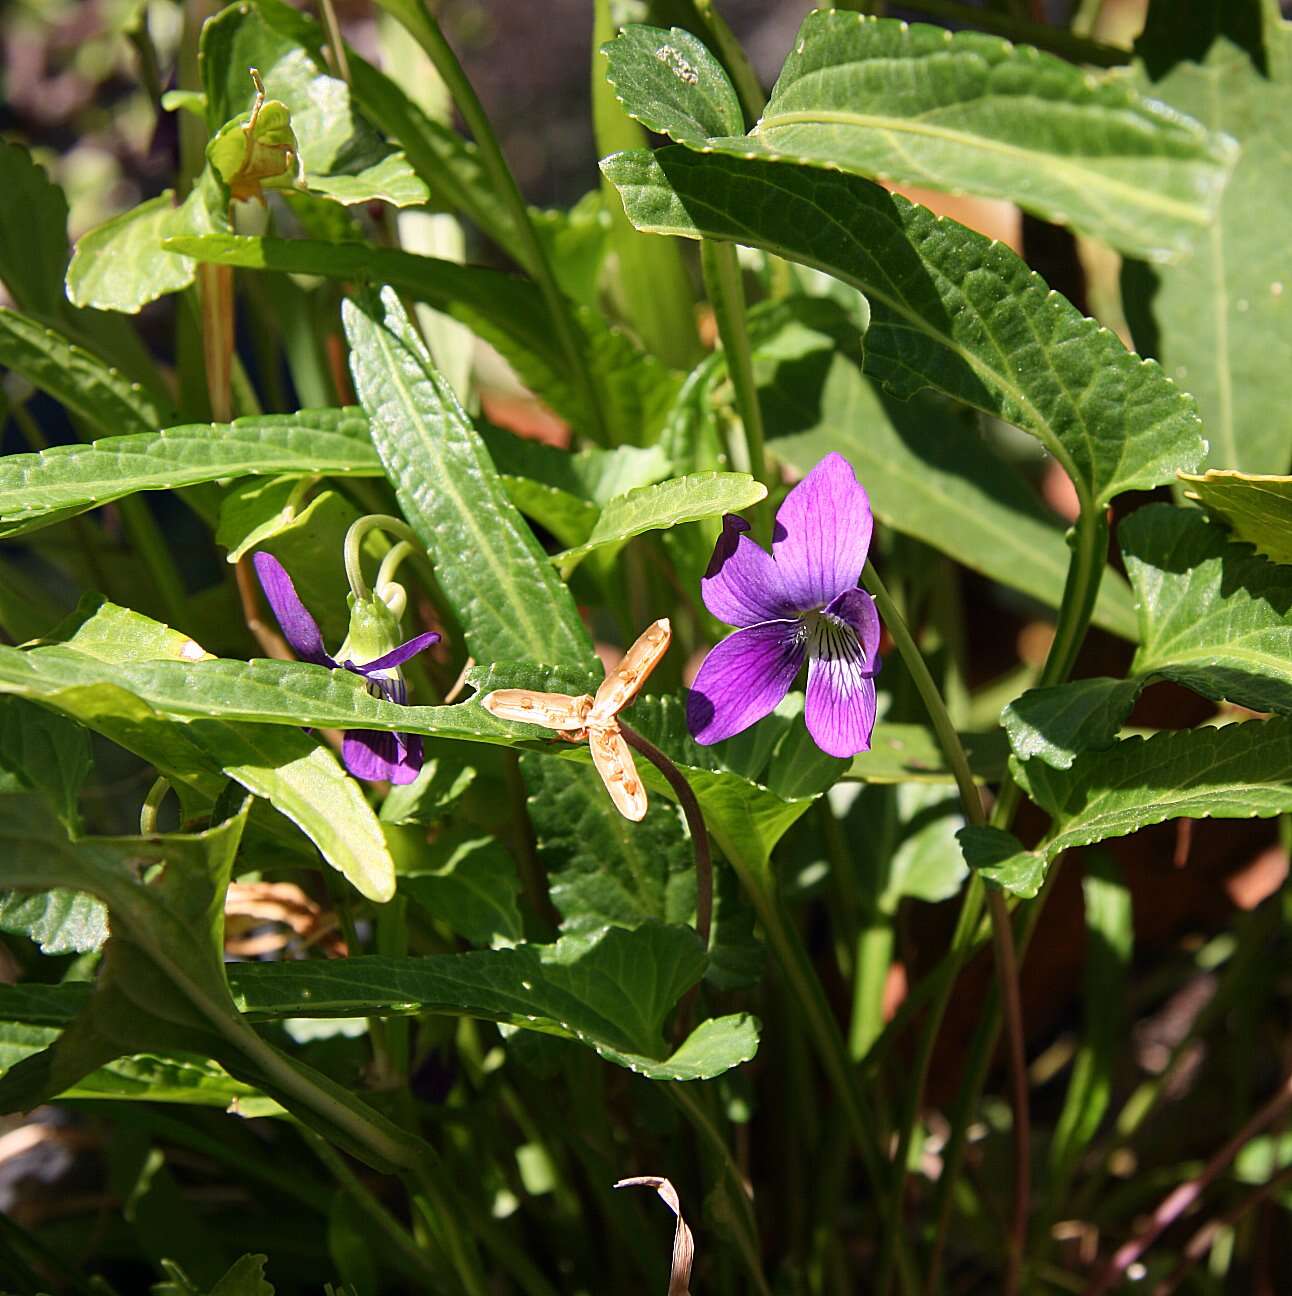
[
  {"x": 368, "y": 753},
  {"x": 798, "y": 603}
]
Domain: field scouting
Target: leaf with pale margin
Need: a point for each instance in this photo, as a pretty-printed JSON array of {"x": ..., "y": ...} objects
[
  {"x": 999, "y": 857},
  {"x": 950, "y": 309},
  {"x": 965, "y": 112},
  {"x": 1239, "y": 771},
  {"x": 40, "y": 488},
  {"x": 1214, "y": 617},
  {"x": 610, "y": 989},
  {"x": 493, "y": 574},
  {"x": 667, "y": 504},
  {"x": 1221, "y": 321},
  {"x": 506, "y": 311},
  {"x": 928, "y": 473},
  {"x": 1257, "y": 509}
]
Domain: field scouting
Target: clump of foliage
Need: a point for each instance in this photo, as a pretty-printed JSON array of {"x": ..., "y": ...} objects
[{"x": 412, "y": 831}]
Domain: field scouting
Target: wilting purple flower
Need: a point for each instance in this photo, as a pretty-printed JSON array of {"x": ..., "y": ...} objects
[
  {"x": 368, "y": 753},
  {"x": 800, "y": 602}
]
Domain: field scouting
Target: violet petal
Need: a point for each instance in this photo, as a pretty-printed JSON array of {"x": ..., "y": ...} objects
[
  {"x": 743, "y": 678},
  {"x": 840, "y": 706},
  {"x": 857, "y": 608},
  {"x": 397, "y": 656},
  {"x": 742, "y": 585},
  {"x": 822, "y": 534},
  {"x": 378, "y": 754},
  {"x": 299, "y": 628}
]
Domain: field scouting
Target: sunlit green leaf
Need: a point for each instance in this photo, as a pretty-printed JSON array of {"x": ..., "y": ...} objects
[
  {"x": 1000, "y": 858},
  {"x": 1257, "y": 509},
  {"x": 950, "y": 309}
]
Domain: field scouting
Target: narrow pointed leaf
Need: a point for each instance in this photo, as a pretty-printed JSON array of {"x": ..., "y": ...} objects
[{"x": 502, "y": 589}]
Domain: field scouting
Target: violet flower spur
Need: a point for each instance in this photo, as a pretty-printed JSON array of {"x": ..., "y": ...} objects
[
  {"x": 368, "y": 753},
  {"x": 799, "y": 603}
]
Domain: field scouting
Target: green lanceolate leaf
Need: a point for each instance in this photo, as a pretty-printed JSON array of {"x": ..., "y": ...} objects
[
  {"x": 75, "y": 377},
  {"x": 37, "y": 489},
  {"x": 999, "y": 857},
  {"x": 1257, "y": 509},
  {"x": 496, "y": 578},
  {"x": 611, "y": 989},
  {"x": 507, "y": 311},
  {"x": 1214, "y": 617},
  {"x": 46, "y": 753},
  {"x": 964, "y": 112},
  {"x": 1221, "y": 321},
  {"x": 1240, "y": 771},
  {"x": 950, "y": 309},
  {"x": 668, "y": 504},
  {"x": 33, "y": 233},
  {"x": 59, "y": 921},
  {"x": 953, "y": 492},
  {"x": 90, "y": 679},
  {"x": 341, "y": 155}
]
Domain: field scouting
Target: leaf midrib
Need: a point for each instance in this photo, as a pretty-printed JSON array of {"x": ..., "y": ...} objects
[{"x": 1075, "y": 176}]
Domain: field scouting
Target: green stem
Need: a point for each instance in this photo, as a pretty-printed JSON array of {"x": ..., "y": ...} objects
[
  {"x": 833, "y": 1054},
  {"x": 354, "y": 540},
  {"x": 744, "y": 1224},
  {"x": 426, "y": 31},
  {"x": 418, "y": 1262},
  {"x": 734, "y": 59},
  {"x": 913, "y": 660},
  {"x": 726, "y": 293}
]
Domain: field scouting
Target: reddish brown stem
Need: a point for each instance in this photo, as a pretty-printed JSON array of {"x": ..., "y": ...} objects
[
  {"x": 694, "y": 821},
  {"x": 1176, "y": 1203}
]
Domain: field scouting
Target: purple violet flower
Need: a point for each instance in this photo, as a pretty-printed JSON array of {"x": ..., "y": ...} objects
[
  {"x": 368, "y": 753},
  {"x": 800, "y": 602}
]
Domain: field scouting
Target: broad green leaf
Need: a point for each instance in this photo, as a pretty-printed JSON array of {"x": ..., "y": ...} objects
[
  {"x": 494, "y": 575},
  {"x": 593, "y": 475},
  {"x": 1221, "y": 321},
  {"x": 927, "y": 863},
  {"x": 928, "y": 475},
  {"x": 1214, "y": 617},
  {"x": 668, "y": 504},
  {"x": 1239, "y": 771},
  {"x": 37, "y": 489},
  {"x": 1000, "y": 858},
  {"x": 602, "y": 869},
  {"x": 59, "y": 921},
  {"x": 120, "y": 265},
  {"x": 965, "y": 112},
  {"x": 469, "y": 884},
  {"x": 343, "y": 157},
  {"x": 611, "y": 989},
  {"x": 950, "y": 309},
  {"x": 507, "y": 311},
  {"x": 440, "y": 783},
  {"x": 1257, "y": 509},
  {"x": 33, "y": 233},
  {"x": 86, "y": 679}
]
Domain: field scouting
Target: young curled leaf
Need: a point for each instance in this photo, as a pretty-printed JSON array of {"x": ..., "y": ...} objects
[{"x": 258, "y": 149}]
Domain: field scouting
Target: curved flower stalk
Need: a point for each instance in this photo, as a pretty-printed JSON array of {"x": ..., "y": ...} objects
[
  {"x": 373, "y": 638},
  {"x": 596, "y": 718},
  {"x": 799, "y": 603}
]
